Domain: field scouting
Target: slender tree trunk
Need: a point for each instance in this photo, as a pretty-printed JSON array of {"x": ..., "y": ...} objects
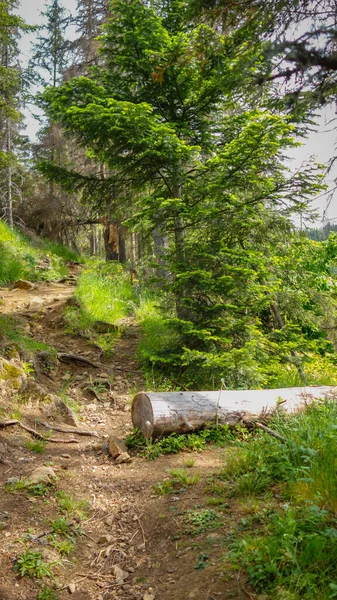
[
  {"x": 179, "y": 237},
  {"x": 9, "y": 191},
  {"x": 133, "y": 248},
  {"x": 160, "y": 249}
]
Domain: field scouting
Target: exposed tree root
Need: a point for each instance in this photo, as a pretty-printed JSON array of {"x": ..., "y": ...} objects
[{"x": 36, "y": 434}]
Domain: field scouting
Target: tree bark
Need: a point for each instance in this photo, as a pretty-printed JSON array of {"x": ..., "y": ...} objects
[
  {"x": 9, "y": 191},
  {"x": 162, "y": 413},
  {"x": 160, "y": 248}
]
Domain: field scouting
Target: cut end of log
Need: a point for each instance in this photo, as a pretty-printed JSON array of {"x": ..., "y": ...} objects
[{"x": 142, "y": 414}]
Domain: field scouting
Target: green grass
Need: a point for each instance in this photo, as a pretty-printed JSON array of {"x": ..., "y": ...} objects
[
  {"x": 178, "y": 482},
  {"x": 289, "y": 547},
  {"x": 105, "y": 293},
  {"x": 21, "y": 259},
  {"x": 73, "y": 508},
  {"x": 13, "y": 330},
  {"x": 47, "y": 594},
  {"x": 37, "y": 446}
]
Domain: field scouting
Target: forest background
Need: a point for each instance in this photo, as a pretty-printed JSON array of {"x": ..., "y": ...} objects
[{"x": 164, "y": 141}]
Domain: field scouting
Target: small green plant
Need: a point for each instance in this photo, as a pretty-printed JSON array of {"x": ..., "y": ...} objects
[
  {"x": 189, "y": 463},
  {"x": 47, "y": 594},
  {"x": 199, "y": 521},
  {"x": 31, "y": 564},
  {"x": 201, "y": 564},
  {"x": 63, "y": 546},
  {"x": 37, "y": 446},
  {"x": 33, "y": 489},
  {"x": 68, "y": 505},
  {"x": 63, "y": 527},
  {"x": 179, "y": 481}
]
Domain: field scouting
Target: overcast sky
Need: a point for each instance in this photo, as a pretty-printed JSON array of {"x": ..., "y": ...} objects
[{"x": 320, "y": 144}]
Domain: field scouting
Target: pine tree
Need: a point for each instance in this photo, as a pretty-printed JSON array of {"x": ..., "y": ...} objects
[{"x": 10, "y": 117}]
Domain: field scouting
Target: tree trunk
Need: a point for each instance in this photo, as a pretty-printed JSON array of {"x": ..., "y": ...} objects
[
  {"x": 162, "y": 413},
  {"x": 9, "y": 191},
  {"x": 160, "y": 248},
  {"x": 133, "y": 248}
]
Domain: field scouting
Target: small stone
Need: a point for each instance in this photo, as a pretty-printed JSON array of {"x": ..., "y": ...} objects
[
  {"x": 104, "y": 539},
  {"x": 13, "y": 480},
  {"x": 65, "y": 456},
  {"x": 42, "y": 475},
  {"x": 72, "y": 588},
  {"x": 149, "y": 595},
  {"x": 36, "y": 302},
  {"x": 116, "y": 447},
  {"x": 170, "y": 570},
  {"x": 123, "y": 458},
  {"x": 49, "y": 555},
  {"x": 119, "y": 574},
  {"x": 68, "y": 415}
]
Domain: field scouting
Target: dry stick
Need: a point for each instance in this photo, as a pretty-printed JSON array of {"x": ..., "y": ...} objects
[
  {"x": 142, "y": 529},
  {"x": 35, "y": 433},
  {"x": 272, "y": 433},
  {"x": 76, "y": 358},
  {"x": 70, "y": 430}
]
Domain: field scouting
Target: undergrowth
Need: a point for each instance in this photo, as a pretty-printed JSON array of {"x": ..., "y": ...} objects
[
  {"x": 288, "y": 550},
  {"x": 172, "y": 444},
  {"x": 13, "y": 332},
  {"x": 21, "y": 259}
]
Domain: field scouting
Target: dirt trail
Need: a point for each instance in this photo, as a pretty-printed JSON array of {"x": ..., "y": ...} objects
[{"x": 128, "y": 526}]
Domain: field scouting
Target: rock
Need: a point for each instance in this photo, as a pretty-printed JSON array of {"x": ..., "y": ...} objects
[
  {"x": 49, "y": 556},
  {"x": 65, "y": 456},
  {"x": 12, "y": 371},
  {"x": 119, "y": 574},
  {"x": 42, "y": 475},
  {"x": 123, "y": 458},
  {"x": 13, "y": 480},
  {"x": 104, "y": 539},
  {"x": 72, "y": 588},
  {"x": 150, "y": 595},
  {"x": 22, "y": 284},
  {"x": 116, "y": 447},
  {"x": 36, "y": 302},
  {"x": 104, "y": 327},
  {"x": 68, "y": 415}
]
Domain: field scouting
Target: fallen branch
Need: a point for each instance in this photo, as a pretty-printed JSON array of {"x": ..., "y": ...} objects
[
  {"x": 142, "y": 529},
  {"x": 70, "y": 430},
  {"x": 36, "y": 434},
  {"x": 76, "y": 358},
  {"x": 272, "y": 433}
]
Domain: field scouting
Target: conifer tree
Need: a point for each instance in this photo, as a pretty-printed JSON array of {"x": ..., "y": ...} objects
[{"x": 10, "y": 117}]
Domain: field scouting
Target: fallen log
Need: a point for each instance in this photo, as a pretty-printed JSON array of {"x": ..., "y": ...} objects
[{"x": 162, "y": 413}]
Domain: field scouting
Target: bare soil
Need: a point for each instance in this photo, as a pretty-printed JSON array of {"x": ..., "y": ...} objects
[{"x": 127, "y": 525}]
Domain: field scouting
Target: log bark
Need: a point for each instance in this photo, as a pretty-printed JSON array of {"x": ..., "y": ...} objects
[{"x": 162, "y": 413}]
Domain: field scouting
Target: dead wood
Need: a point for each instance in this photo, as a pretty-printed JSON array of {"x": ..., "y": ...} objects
[
  {"x": 69, "y": 430},
  {"x": 161, "y": 413},
  {"x": 271, "y": 432},
  {"x": 77, "y": 359},
  {"x": 36, "y": 434}
]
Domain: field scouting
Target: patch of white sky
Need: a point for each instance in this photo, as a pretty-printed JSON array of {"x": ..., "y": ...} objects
[{"x": 320, "y": 144}]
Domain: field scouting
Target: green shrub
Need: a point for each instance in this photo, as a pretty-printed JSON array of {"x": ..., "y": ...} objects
[{"x": 30, "y": 563}]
